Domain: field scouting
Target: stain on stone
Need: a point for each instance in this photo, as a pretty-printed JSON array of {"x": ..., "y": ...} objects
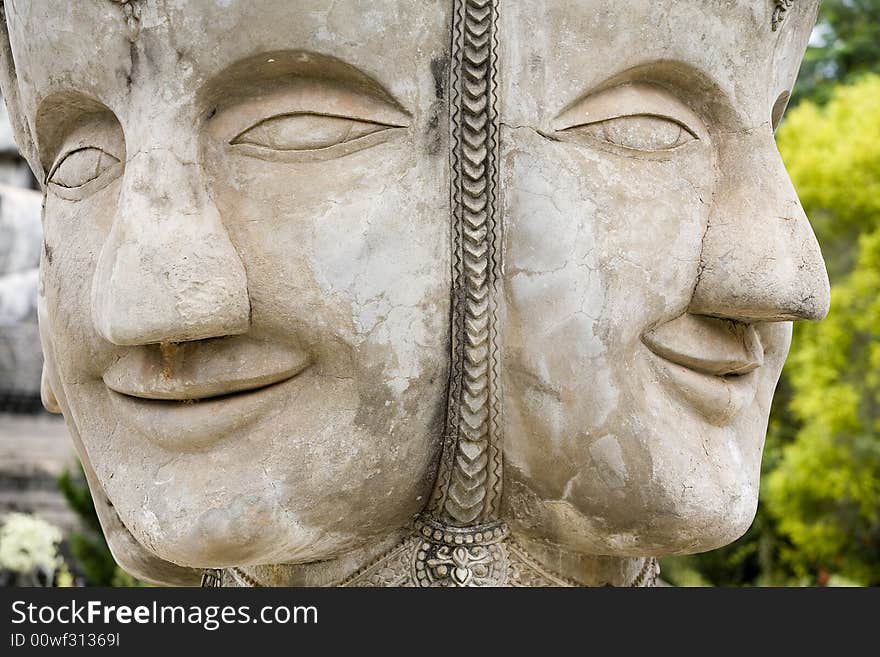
[
  {"x": 168, "y": 352},
  {"x": 133, "y": 56},
  {"x": 440, "y": 71},
  {"x": 434, "y": 141},
  {"x": 536, "y": 63}
]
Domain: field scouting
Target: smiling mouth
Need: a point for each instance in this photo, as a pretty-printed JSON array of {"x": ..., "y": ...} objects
[
  {"x": 712, "y": 363},
  {"x": 189, "y": 392},
  {"x": 187, "y": 396}
]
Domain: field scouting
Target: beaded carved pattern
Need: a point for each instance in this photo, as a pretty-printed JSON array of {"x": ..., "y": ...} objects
[
  {"x": 391, "y": 569},
  {"x": 460, "y": 557},
  {"x": 212, "y": 578}
]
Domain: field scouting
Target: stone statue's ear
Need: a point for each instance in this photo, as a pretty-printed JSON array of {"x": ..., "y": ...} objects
[
  {"x": 47, "y": 396},
  {"x": 9, "y": 86}
]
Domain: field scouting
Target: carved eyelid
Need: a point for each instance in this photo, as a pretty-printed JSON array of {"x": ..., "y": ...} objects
[
  {"x": 108, "y": 160},
  {"x": 306, "y": 98},
  {"x": 101, "y": 133},
  {"x": 238, "y": 139},
  {"x": 632, "y": 99}
]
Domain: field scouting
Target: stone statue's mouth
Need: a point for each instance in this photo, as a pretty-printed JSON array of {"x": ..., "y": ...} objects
[
  {"x": 717, "y": 347},
  {"x": 204, "y": 369},
  {"x": 711, "y": 363},
  {"x": 186, "y": 397}
]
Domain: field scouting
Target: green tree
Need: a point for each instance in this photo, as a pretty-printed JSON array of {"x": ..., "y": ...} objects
[
  {"x": 825, "y": 493},
  {"x": 832, "y": 155},
  {"x": 845, "y": 44}
]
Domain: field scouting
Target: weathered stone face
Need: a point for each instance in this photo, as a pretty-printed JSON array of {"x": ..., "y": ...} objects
[
  {"x": 293, "y": 199},
  {"x": 652, "y": 242},
  {"x": 286, "y": 210}
]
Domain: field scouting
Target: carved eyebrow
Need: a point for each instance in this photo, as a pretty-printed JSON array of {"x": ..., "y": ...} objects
[{"x": 260, "y": 75}]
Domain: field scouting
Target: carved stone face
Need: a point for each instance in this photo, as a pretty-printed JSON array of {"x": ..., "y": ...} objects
[
  {"x": 654, "y": 251},
  {"x": 246, "y": 269},
  {"x": 250, "y": 249}
]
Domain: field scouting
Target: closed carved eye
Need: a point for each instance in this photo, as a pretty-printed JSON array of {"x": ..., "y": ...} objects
[
  {"x": 81, "y": 166},
  {"x": 637, "y": 117},
  {"x": 307, "y": 131},
  {"x": 642, "y": 132}
]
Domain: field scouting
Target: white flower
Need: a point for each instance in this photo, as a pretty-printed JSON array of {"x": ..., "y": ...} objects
[{"x": 28, "y": 543}]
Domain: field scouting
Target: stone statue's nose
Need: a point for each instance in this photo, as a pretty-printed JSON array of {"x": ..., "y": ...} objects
[
  {"x": 760, "y": 259},
  {"x": 167, "y": 271}
]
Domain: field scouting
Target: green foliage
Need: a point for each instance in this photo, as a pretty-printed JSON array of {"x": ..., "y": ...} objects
[
  {"x": 833, "y": 154},
  {"x": 825, "y": 493},
  {"x": 89, "y": 549},
  {"x": 845, "y": 45},
  {"x": 684, "y": 572}
]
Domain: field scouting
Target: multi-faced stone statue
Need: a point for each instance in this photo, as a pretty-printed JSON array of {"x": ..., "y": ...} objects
[{"x": 460, "y": 292}]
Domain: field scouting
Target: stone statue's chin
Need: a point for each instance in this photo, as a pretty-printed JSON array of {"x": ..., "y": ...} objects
[
  {"x": 701, "y": 525},
  {"x": 243, "y": 531},
  {"x": 236, "y": 535},
  {"x": 688, "y": 535},
  {"x": 674, "y": 517},
  {"x": 256, "y": 495}
]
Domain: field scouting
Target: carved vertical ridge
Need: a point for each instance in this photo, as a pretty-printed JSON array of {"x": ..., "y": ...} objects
[{"x": 468, "y": 485}]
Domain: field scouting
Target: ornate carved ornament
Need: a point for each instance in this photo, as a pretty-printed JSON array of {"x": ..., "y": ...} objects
[
  {"x": 782, "y": 6},
  {"x": 463, "y": 558},
  {"x": 131, "y": 11}
]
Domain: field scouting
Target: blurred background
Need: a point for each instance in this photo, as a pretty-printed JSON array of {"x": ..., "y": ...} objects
[{"x": 818, "y": 522}]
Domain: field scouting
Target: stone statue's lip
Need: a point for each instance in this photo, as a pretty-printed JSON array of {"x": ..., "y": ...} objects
[
  {"x": 717, "y": 347},
  {"x": 710, "y": 363},
  {"x": 203, "y": 369},
  {"x": 196, "y": 424}
]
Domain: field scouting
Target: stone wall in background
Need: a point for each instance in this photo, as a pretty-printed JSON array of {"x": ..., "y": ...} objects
[
  {"x": 20, "y": 238},
  {"x": 34, "y": 451},
  {"x": 34, "y": 447}
]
